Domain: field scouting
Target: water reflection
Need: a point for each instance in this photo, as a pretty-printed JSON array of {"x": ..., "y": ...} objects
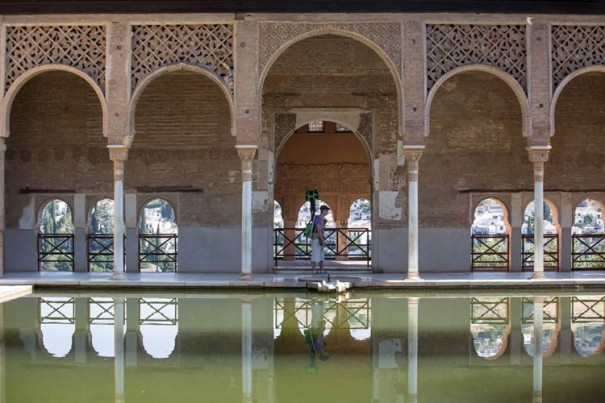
[{"x": 303, "y": 347}]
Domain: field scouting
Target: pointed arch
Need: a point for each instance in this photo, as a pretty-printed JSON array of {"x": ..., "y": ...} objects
[{"x": 505, "y": 77}]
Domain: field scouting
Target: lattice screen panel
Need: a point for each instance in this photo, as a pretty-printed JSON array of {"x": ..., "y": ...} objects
[
  {"x": 452, "y": 46},
  {"x": 82, "y": 47},
  {"x": 574, "y": 48},
  {"x": 209, "y": 46}
]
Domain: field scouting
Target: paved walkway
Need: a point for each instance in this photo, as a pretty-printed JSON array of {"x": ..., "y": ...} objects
[{"x": 433, "y": 281}]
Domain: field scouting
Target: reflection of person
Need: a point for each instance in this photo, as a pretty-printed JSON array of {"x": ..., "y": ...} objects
[
  {"x": 315, "y": 337},
  {"x": 318, "y": 241}
]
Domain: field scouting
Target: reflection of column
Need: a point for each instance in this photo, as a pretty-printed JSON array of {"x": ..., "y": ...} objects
[
  {"x": 515, "y": 343},
  {"x": 118, "y": 339},
  {"x": 131, "y": 338},
  {"x": 412, "y": 155},
  {"x": 118, "y": 154},
  {"x": 246, "y": 153},
  {"x": 538, "y": 155},
  {"x": 565, "y": 335},
  {"x": 82, "y": 329},
  {"x": 413, "y": 349},
  {"x": 246, "y": 352},
  {"x": 538, "y": 336},
  {"x": 2, "y": 215}
]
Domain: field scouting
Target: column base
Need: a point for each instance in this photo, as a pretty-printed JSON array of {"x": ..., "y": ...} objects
[
  {"x": 118, "y": 275},
  {"x": 413, "y": 277},
  {"x": 538, "y": 275},
  {"x": 246, "y": 277}
]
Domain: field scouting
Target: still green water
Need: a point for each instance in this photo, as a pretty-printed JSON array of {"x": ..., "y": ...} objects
[{"x": 288, "y": 347}]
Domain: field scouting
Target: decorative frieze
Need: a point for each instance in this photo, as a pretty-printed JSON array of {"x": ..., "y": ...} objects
[
  {"x": 451, "y": 46},
  {"x": 209, "y": 46},
  {"x": 386, "y": 36},
  {"x": 82, "y": 47},
  {"x": 285, "y": 123},
  {"x": 576, "y": 47}
]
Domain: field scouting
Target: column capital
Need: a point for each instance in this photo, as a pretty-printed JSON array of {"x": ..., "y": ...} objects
[
  {"x": 118, "y": 152},
  {"x": 413, "y": 152},
  {"x": 246, "y": 151},
  {"x": 538, "y": 153}
]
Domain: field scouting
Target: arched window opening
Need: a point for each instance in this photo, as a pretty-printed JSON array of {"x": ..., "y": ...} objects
[
  {"x": 158, "y": 237},
  {"x": 551, "y": 239},
  {"x": 56, "y": 237},
  {"x": 100, "y": 237},
  {"x": 490, "y": 238},
  {"x": 57, "y": 325},
  {"x": 278, "y": 218},
  {"x": 490, "y": 326},
  {"x": 587, "y": 320},
  {"x": 550, "y": 326},
  {"x": 158, "y": 320},
  {"x": 358, "y": 235},
  {"x": 588, "y": 238}
]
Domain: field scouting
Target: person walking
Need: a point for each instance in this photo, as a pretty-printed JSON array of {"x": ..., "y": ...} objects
[{"x": 318, "y": 240}]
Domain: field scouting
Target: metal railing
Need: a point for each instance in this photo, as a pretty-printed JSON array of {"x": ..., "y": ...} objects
[
  {"x": 158, "y": 252},
  {"x": 588, "y": 252},
  {"x": 56, "y": 252},
  {"x": 352, "y": 243},
  {"x": 490, "y": 252},
  {"x": 100, "y": 252},
  {"x": 551, "y": 252}
]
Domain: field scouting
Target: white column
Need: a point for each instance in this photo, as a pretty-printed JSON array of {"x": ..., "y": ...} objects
[
  {"x": 538, "y": 155},
  {"x": 246, "y": 153},
  {"x": 413, "y": 349},
  {"x": 118, "y": 154},
  {"x": 246, "y": 352},
  {"x": 2, "y": 354},
  {"x": 2, "y": 196},
  {"x": 119, "y": 358},
  {"x": 538, "y": 355},
  {"x": 412, "y": 155}
]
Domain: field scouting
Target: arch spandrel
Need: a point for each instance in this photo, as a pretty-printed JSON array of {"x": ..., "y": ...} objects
[{"x": 505, "y": 77}]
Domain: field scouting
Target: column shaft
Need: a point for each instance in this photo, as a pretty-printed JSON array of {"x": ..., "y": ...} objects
[
  {"x": 412, "y": 155},
  {"x": 118, "y": 154},
  {"x": 246, "y": 153},
  {"x": 538, "y": 155}
]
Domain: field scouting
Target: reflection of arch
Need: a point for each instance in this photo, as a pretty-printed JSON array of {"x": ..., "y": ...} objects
[
  {"x": 57, "y": 325},
  {"x": 588, "y": 324},
  {"x": 140, "y": 89},
  {"x": 507, "y": 78},
  {"x": 158, "y": 326},
  {"x": 490, "y": 341},
  {"x": 563, "y": 84},
  {"x": 35, "y": 71},
  {"x": 394, "y": 70},
  {"x": 550, "y": 338}
]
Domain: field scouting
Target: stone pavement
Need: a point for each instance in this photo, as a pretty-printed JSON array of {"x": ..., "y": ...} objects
[{"x": 303, "y": 280}]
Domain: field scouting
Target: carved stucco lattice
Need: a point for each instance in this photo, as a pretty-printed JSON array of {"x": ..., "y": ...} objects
[
  {"x": 365, "y": 129},
  {"x": 209, "y": 46},
  {"x": 82, "y": 47},
  {"x": 450, "y": 46},
  {"x": 385, "y": 35},
  {"x": 285, "y": 123},
  {"x": 576, "y": 47}
]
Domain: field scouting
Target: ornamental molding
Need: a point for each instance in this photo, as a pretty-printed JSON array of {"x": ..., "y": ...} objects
[
  {"x": 385, "y": 36},
  {"x": 209, "y": 46},
  {"x": 450, "y": 46},
  {"x": 325, "y": 171},
  {"x": 285, "y": 123},
  {"x": 539, "y": 154},
  {"x": 82, "y": 47},
  {"x": 574, "y": 48},
  {"x": 246, "y": 152},
  {"x": 118, "y": 153}
]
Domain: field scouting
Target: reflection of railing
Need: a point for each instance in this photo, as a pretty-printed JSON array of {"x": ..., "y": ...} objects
[
  {"x": 101, "y": 311},
  {"x": 489, "y": 252},
  {"x": 588, "y": 252},
  {"x": 57, "y": 310},
  {"x": 587, "y": 309},
  {"x": 550, "y": 310},
  {"x": 158, "y": 311},
  {"x": 158, "y": 252},
  {"x": 551, "y": 252},
  {"x": 56, "y": 252},
  {"x": 492, "y": 310},
  {"x": 354, "y": 243},
  {"x": 355, "y": 314}
]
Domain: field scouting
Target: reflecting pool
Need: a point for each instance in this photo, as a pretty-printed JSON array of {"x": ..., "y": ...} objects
[{"x": 306, "y": 347}]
